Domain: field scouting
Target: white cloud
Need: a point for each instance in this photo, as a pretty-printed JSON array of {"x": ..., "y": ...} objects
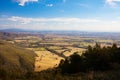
[
  {"x": 20, "y": 19},
  {"x": 49, "y": 5},
  {"x": 112, "y": 3},
  {"x": 22, "y": 2},
  {"x": 29, "y": 20},
  {"x": 60, "y": 24}
]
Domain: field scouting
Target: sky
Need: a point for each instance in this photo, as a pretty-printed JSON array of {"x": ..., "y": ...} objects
[{"x": 80, "y": 15}]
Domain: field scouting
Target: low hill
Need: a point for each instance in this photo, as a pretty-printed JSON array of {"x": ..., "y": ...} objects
[{"x": 15, "y": 60}]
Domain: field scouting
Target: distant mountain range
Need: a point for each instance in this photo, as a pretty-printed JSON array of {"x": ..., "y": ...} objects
[
  {"x": 25, "y": 30},
  {"x": 62, "y": 32},
  {"x": 13, "y": 30},
  {"x": 53, "y": 31}
]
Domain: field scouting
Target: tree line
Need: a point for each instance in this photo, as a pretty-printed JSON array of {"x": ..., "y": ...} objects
[{"x": 95, "y": 58}]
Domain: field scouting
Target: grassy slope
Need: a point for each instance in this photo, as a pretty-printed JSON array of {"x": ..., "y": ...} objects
[{"x": 14, "y": 59}]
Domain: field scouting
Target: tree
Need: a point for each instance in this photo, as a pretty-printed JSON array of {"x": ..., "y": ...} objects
[{"x": 71, "y": 64}]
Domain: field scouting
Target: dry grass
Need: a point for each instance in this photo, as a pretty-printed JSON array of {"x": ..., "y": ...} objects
[
  {"x": 46, "y": 60},
  {"x": 72, "y": 50}
]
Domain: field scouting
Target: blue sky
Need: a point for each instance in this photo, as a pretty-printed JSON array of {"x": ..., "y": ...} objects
[{"x": 83, "y": 15}]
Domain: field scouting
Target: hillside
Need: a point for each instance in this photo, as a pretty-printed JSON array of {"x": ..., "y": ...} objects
[{"x": 15, "y": 60}]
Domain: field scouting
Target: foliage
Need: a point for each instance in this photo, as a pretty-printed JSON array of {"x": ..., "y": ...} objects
[{"x": 95, "y": 58}]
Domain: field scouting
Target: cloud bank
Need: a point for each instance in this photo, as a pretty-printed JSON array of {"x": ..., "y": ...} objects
[
  {"x": 24, "y": 20},
  {"x": 82, "y": 24}
]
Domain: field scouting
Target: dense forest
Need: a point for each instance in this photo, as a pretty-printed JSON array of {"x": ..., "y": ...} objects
[{"x": 96, "y": 63}]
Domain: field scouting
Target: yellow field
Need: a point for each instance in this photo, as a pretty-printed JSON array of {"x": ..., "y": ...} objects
[
  {"x": 72, "y": 50},
  {"x": 45, "y": 60}
]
